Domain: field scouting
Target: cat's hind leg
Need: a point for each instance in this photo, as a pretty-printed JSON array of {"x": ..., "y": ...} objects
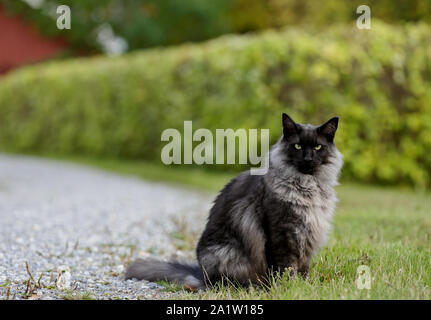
[{"x": 225, "y": 262}]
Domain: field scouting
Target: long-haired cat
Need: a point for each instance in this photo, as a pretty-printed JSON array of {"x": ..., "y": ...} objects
[{"x": 264, "y": 223}]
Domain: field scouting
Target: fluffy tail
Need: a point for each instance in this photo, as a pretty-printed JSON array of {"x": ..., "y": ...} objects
[{"x": 155, "y": 270}]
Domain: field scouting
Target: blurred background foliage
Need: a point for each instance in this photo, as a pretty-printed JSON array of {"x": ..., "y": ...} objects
[
  {"x": 141, "y": 24},
  {"x": 378, "y": 83},
  {"x": 251, "y": 15},
  {"x": 150, "y": 23},
  {"x": 308, "y": 59}
]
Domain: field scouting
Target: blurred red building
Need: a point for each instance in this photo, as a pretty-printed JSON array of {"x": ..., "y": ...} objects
[{"x": 20, "y": 43}]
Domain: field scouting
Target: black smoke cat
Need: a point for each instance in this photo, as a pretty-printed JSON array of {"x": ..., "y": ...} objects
[{"x": 264, "y": 223}]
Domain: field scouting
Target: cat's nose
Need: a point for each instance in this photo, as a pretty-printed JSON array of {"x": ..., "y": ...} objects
[{"x": 308, "y": 159}]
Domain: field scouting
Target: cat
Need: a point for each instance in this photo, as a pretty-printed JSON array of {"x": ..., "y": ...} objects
[{"x": 261, "y": 224}]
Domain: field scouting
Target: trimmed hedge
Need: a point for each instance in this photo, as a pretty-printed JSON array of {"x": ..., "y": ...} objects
[{"x": 377, "y": 81}]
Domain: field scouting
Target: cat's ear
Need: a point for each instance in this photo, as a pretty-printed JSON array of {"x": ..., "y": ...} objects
[
  {"x": 289, "y": 126},
  {"x": 329, "y": 128}
]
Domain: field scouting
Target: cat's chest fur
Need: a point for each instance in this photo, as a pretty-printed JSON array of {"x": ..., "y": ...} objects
[
  {"x": 303, "y": 204},
  {"x": 305, "y": 209}
]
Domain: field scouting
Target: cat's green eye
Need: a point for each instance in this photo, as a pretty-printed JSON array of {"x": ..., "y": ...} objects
[
  {"x": 297, "y": 146},
  {"x": 318, "y": 147}
]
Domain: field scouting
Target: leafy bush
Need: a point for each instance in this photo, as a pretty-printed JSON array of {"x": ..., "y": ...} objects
[
  {"x": 377, "y": 81},
  {"x": 251, "y": 15}
]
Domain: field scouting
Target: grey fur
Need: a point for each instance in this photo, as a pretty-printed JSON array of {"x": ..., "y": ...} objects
[
  {"x": 263, "y": 223},
  {"x": 155, "y": 270},
  {"x": 311, "y": 197}
]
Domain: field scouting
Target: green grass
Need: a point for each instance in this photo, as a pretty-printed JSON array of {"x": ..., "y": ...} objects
[
  {"x": 77, "y": 296},
  {"x": 386, "y": 229}
]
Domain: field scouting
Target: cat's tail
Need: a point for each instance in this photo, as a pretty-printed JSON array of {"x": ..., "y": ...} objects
[{"x": 154, "y": 270}]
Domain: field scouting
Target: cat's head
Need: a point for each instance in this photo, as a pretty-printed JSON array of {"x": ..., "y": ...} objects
[{"x": 308, "y": 147}]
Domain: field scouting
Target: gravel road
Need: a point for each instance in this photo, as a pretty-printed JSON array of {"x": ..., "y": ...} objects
[{"x": 77, "y": 228}]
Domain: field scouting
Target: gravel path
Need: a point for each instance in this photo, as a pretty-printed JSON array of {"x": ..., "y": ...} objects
[{"x": 77, "y": 228}]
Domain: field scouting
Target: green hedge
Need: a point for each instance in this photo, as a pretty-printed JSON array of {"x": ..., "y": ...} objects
[{"x": 378, "y": 81}]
